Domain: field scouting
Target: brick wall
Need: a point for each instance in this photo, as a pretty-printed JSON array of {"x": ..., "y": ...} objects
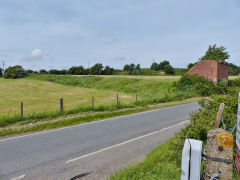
[{"x": 212, "y": 70}]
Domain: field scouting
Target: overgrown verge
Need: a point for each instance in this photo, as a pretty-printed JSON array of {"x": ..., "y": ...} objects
[
  {"x": 50, "y": 123},
  {"x": 165, "y": 161}
]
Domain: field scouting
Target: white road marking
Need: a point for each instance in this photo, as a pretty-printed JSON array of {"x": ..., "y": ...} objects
[
  {"x": 93, "y": 122},
  {"x": 19, "y": 177},
  {"x": 125, "y": 142}
]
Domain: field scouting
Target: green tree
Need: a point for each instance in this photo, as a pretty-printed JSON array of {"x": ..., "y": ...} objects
[
  {"x": 190, "y": 65},
  {"x": 77, "y": 70},
  {"x": 1, "y": 72},
  {"x": 131, "y": 67},
  {"x": 108, "y": 70},
  {"x": 216, "y": 53},
  {"x": 53, "y": 71},
  {"x": 126, "y": 67},
  {"x": 233, "y": 69},
  {"x": 168, "y": 69},
  {"x": 15, "y": 72},
  {"x": 155, "y": 66},
  {"x": 138, "y": 67},
  {"x": 163, "y": 64},
  {"x": 97, "y": 69}
]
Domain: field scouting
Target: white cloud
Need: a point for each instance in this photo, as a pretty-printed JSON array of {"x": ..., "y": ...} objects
[{"x": 38, "y": 53}]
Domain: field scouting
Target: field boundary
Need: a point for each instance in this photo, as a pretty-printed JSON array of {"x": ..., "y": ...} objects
[{"x": 77, "y": 119}]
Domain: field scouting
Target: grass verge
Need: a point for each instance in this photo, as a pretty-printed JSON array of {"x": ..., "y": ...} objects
[
  {"x": 160, "y": 164},
  {"x": 37, "y": 125}
]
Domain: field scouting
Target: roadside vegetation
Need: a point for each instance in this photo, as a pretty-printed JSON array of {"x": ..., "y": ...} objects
[{"x": 165, "y": 161}]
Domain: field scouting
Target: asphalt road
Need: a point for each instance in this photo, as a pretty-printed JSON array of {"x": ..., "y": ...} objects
[{"x": 98, "y": 148}]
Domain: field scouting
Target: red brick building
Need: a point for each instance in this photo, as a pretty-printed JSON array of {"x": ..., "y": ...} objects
[{"x": 213, "y": 70}]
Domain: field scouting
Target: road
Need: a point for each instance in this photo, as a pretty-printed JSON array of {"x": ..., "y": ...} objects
[{"x": 98, "y": 148}]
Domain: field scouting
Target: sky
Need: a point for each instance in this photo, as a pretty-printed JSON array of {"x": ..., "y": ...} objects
[{"x": 58, "y": 34}]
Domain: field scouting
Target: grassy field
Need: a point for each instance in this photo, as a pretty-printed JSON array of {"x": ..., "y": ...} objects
[
  {"x": 42, "y": 96},
  {"x": 146, "y": 87},
  {"x": 137, "y": 77}
]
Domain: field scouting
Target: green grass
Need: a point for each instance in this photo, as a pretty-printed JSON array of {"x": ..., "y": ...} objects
[
  {"x": 148, "y": 88},
  {"x": 41, "y": 93},
  {"x": 43, "y": 97},
  {"x": 32, "y": 125},
  {"x": 160, "y": 164}
]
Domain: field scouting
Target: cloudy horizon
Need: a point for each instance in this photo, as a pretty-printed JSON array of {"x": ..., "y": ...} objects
[{"x": 59, "y": 34}]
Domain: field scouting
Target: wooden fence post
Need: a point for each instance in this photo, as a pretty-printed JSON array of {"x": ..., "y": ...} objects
[
  {"x": 117, "y": 99},
  {"x": 21, "y": 109},
  {"x": 93, "y": 102},
  {"x": 61, "y": 104},
  {"x": 219, "y": 116},
  {"x": 136, "y": 97},
  {"x": 219, "y": 151}
]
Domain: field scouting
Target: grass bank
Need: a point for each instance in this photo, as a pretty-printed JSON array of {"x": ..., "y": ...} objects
[
  {"x": 50, "y": 123},
  {"x": 41, "y": 94}
]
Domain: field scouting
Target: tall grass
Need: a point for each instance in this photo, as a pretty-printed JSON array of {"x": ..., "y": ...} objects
[{"x": 150, "y": 91}]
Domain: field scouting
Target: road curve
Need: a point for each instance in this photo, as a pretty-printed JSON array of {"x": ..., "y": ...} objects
[{"x": 97, "y": 148}]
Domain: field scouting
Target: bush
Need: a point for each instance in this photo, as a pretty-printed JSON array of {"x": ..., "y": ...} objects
[
  {"x": 29, "y": 71},
  {"x": 201, "y": 85},
  {"x": 15, "y": 72},
  {"x": 53, "y": 71},
  {"x": 168, "y": 69},
  {"x": 234, "y": 83}
]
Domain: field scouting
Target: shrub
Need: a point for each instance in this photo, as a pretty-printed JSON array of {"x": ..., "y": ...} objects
[
  {"x": 15, "y": 72},
  {"x": 168, "y": 69},
  {"x": 54, "y": 71},
  {"x": 234, "y": 83},
  {"x": 201, "y": 85},
  {"x": 29, "y": 71}
]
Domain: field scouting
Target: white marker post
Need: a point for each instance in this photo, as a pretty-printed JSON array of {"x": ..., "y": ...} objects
[{"x": 191, "y": 160}]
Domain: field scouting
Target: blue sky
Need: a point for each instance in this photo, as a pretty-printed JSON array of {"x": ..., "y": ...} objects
[{"x": 59, "y": 34}]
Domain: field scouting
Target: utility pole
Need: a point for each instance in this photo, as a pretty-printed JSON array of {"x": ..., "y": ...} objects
[{"x": 3, "y": 64}]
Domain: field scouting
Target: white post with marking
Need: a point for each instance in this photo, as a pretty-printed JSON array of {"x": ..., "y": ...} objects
[{"x": 191, "y": 160}]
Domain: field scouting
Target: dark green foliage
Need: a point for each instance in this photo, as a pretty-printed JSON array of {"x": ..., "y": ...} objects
[
  {"x": 126, "y": 67},
  {"x": 53, "y": 71},
  {"x": 29, "y": 71},
  {"x": 155, "y": 66},
  {"x": 190, "y": 65},
  {"x": 108, "y": 71},
  {"x": 201, "y": 85},
  {"x": 233, "y": 70},
  {"x": 168, "y": 69},
  {"x": 202, "y": 121},
  {"x": 131, "y": 67},
  {"x": 1, "y": 72},
  {"x": 97, "y": 69},
  {"x": 216, "y": 53},
  {"x": 15, "y": 72},
  {"x": 63, "y": 71},
  {"x": 234, "y": 82},
  {"x": 77, "y": 70},
  {"x": 180, "y": 71},
  {"x": 163, "y": 64},
  {"x": 138, "y": 67}
]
